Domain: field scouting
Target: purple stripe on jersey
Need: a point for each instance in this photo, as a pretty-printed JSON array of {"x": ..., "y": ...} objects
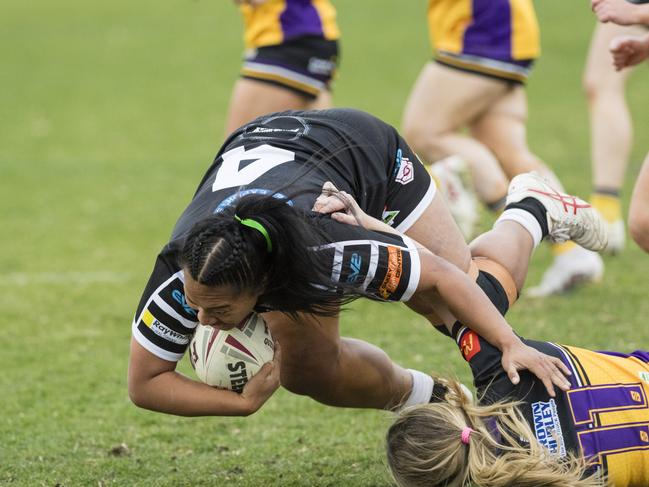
[
  {"x": 614, "y": 440},
  {"x": 617, "y": 397},
  {"x": 490, "y": 33},
  {"x": 639, "y": 354},
  {"x": 300, "y": 18}
]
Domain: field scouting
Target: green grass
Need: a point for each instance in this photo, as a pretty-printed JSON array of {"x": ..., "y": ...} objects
[{"x": 109, "y": 115}]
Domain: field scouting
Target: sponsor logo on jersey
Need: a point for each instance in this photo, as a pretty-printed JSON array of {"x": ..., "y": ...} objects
[
  {"x": 388, "y": 216},
  {"x": 404, "y": 171},
  {"x": 179, "y": 297},
  {"x": 279, "y": 127},
  {"x": 162, "y": 330},
  {"x": 230, "y": 200},
  {"x": 644, "y": 376},
  {"x": 547, "y": 427},
  {"x": 355, "y": 265},
  {"x": 321, "y": 66},
  {"x": 469, "y": 345},
  {"x": 393, "y": 274}
]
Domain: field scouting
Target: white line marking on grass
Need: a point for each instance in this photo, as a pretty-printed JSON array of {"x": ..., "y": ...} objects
[{"x": 63, "y": 278}]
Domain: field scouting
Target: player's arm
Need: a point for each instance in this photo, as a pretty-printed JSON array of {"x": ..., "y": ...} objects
[
  {"x": 471, "y": 306},
  {"x": 154, "y": 384},
  {"x": 621, "y": 12}
]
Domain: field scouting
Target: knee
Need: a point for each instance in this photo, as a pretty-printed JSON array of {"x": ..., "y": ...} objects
[
  {"x": 639, "y": 228},
  {"x": 424, "y": 141}
]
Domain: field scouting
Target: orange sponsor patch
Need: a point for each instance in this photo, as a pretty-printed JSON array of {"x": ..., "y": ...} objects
[
  {"x": 393, "y": 274},
  {"x": 469, "y": 345}
]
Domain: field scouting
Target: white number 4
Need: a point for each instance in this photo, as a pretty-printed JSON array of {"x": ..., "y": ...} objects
[{"x": 264, "y": 158}]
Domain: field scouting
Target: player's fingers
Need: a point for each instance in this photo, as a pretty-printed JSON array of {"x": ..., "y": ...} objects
[
  {"x": 344, "y": 218},
  {"x": 561, "y": 366},
  {"x": 277, "y": 352},
  {"x": 512, "y": 373}
]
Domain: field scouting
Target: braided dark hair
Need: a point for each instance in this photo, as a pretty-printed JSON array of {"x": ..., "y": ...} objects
[{"x": 219, "y": 250}]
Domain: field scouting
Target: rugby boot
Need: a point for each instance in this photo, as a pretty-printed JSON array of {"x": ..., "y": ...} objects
[{"x": 569, "y": 217}]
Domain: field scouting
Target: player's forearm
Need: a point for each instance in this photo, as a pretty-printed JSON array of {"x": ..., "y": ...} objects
[
  {"x": 173, "y": 393},
  {"x": 471, "y": 306}
]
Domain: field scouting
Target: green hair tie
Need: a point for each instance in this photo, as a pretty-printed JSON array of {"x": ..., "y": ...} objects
[{"x": 249, "y": 222}]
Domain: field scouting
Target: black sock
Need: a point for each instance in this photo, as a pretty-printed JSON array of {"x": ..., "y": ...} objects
[{"x": 536, "y": 209}]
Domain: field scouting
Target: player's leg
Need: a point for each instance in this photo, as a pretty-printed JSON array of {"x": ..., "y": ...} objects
[
  {"x": 503, "y": 130},
  {"x": 294, "y": 75},
  {"x": 442, "y": 102},
  {"x": 610, "y": 126},
  {"x": 639, "y": 208},
  {"x": 343, "y": 372},
  {"x": 252, "y": 98}
]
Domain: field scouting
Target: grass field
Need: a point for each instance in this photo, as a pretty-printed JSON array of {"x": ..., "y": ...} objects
[{"x": 109, "y": 113}]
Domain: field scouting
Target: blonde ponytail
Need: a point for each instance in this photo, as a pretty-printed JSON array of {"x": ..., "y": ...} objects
[{"x": 425, "y": 448}]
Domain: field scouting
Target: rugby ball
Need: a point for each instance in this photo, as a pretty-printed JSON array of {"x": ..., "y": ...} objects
[{"x": 229, "y": 358}]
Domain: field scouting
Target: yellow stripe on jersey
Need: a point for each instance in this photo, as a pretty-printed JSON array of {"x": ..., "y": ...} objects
[
  {"x": 448, "y": 19},
  {"x": 261, "y": 24},
  {"x": 327, "y": 14},
  {"x": 525, "y": 30},
  {"x": 148, "y": 318}
]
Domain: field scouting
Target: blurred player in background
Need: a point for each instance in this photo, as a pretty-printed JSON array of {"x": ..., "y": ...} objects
[
  {"x": 610, "y": 127},
  {"x": 291, "y": 58},
  {"x": 484, "y": 53},
  {"x": 630, "y": 50}
]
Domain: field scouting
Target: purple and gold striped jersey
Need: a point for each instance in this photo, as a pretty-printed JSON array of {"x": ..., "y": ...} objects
[
  {"x": 277, "y": 21},
  {"x": 604, "y": 416},
  {"x": 494, "y": 37}
]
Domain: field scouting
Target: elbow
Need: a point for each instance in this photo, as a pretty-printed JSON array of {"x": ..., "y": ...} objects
[{"x": 137, "y": 394}]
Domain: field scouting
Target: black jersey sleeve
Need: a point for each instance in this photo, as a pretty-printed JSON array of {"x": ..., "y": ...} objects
[
  {"x": 384, "y": 265},
  {"x": 163, "y": 322}
]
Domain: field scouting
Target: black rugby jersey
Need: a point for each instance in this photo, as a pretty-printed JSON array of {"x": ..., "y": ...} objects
[{"x": 292, "y": 154}]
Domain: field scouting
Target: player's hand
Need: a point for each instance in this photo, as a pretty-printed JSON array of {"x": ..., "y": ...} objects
[
  {"x": 629, "y": 50},
  {"x": 264, "y": 383},
  {"x": 340, "y": 204},
  {"x": 550, "y": 370},
  {"x": 618, "y": 11}
]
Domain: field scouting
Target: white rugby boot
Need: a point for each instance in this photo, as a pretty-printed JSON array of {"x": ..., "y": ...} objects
[
  {"x": 616, "y": 237},
  {"x": 572, "y": 268},
  {"x": 569, "y": 217},
  {"x": 454, "y": 181}
]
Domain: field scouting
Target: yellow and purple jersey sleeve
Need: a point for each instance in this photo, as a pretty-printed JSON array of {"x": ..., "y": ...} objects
[
  {"x": 493, "y": 37},
  {"x": 610, "y": 412},
  {"x": 277, "y": 21}
]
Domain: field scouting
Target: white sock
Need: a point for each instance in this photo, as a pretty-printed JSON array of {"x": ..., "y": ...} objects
[
  {"x": 422, "y": 389},
  {"x": 524, "y": 219}
]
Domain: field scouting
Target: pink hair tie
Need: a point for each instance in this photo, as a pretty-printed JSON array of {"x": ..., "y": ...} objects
[{"x": 466, "y": 433}]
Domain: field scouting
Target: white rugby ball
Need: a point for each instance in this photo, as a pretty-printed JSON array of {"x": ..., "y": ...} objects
[{"x": 228, "y": 359}]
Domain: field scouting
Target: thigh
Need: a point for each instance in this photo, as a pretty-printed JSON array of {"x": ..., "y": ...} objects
[
  {"x": 436, "y": 230},
  {"x": 446, "y": 99},
  {"x": 252, "y": 98},
  {"x": 310, "y": 344},
  {"x": 503, "y": 130}
]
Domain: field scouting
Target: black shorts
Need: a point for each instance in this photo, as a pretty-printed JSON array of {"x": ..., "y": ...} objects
[{"x": 305, "y": 65}]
